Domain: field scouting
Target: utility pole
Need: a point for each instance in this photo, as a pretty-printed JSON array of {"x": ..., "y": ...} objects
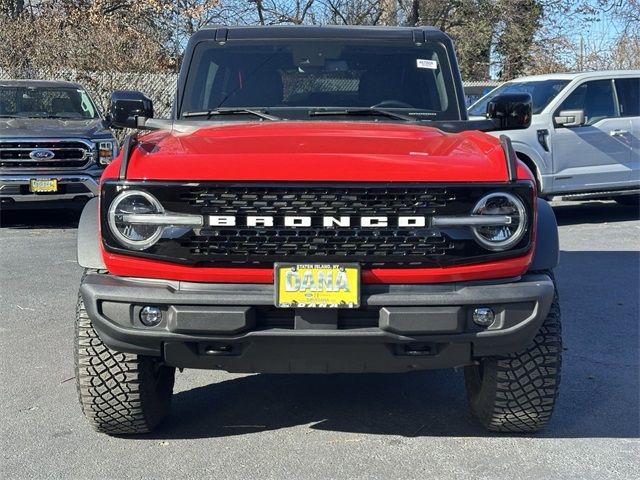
[{"x": 581, "y": 59}]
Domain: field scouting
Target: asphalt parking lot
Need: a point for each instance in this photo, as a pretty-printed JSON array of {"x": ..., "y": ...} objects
[{"x": 369, "y": 426}]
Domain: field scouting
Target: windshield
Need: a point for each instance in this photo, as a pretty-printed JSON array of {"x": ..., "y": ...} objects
[
  {"x": 299, "y": 77},
  {"x": 542, "y": 92},
  {"x": 46, "y": 102}
]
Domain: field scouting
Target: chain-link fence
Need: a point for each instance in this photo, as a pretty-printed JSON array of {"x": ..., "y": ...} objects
[{"x": 158, "y": 87}]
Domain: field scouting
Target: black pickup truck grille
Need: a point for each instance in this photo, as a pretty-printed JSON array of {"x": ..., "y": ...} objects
[
  {"x": 263, "y": 245},
  {"x": 67, "y": 154}
]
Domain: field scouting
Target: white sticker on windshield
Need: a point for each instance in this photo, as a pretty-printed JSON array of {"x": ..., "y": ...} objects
[{"x": 430, "y": 64}]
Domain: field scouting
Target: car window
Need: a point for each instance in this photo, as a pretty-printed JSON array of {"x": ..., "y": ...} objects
[
  {"x": 542, "y": 92},
  {"x": 46, "y": 102},
  {"x": 628, "y": 90},
  {"x": 595, "y": 97},
  {"x": 306, "y": 75}
]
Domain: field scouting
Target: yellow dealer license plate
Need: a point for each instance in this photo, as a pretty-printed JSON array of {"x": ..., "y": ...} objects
[
  {"x": 43, "y": 186},
  {"x": 317, "y": 285}
]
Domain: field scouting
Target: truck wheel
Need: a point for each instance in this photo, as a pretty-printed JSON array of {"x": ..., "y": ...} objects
[
  {"x": 120, "y": 393},
  {"x": 517, "y": 392},
  {"x": 628, "y": 200}
]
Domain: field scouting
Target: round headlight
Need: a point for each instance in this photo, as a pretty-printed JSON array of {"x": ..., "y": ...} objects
[
  {"x": 134, "y": 235},
  {"x": 501, "y": 237}
]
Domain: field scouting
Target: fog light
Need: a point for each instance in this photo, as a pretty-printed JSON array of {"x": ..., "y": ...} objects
[
  {"x": 150, "y": 316},
  {"x": 483, "y": 316}
]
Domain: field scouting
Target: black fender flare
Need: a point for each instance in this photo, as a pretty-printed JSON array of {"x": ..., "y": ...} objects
[
  {"x": 547, "y": 250},
  {"x": 89, "y": 255}
]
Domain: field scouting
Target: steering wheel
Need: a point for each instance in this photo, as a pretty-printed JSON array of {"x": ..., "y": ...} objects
[{"x": 392, "y": 104}]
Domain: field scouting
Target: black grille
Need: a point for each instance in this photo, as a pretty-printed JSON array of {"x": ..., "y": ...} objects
[
  {"x": 274, "y": 243},
  {"x": 341, "y": 243},
  {"x": 381, "y": 246},
  {"x": 355, "y": 201},
  {"x": 71, "y": 154}
]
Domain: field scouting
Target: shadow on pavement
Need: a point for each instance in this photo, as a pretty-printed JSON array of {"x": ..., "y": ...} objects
[
  {"x": 599, "y": 393},
  {"x": 569, "y": 213},
  {"x": 46, "y": 218}
]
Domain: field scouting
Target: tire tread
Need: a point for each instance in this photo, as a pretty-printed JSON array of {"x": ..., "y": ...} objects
[
  {"x": 120, "y": 393},
  {"x": 518, "y": 391}
]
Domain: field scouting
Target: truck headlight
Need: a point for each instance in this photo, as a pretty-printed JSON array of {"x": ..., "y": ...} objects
[
  {"x": 501, "y": 237},
  {"x": 107, "y": 151},
  {"x": 135, "y": 235}
]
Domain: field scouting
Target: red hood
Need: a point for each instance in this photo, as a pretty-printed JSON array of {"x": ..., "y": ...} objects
[{"x": 319, "y": 151}]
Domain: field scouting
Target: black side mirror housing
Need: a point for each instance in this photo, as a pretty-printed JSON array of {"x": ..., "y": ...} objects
[
  {"x": 126, "y": 106},
  {"x": 510, "y": 111}
]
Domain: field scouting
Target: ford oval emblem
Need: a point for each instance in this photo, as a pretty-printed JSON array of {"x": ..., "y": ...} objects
[{"x": 41, "y": 154}]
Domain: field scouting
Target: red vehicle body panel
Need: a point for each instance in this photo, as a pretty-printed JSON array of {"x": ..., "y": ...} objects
[
  {"x": 317, "y": 151},
  {"x": 123, "y": 265}
]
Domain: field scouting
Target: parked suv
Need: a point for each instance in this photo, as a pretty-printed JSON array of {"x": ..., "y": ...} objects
[
  {"x": 584, "y": 137},
  {"x": 319, "y": 203},
  {"x": 54, "y": 144}
]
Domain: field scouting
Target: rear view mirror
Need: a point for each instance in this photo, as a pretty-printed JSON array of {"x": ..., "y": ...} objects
[
  {"x": 510, "y": 111},
  {"x": 126, "y": 106},
  {"x": 570, "y": 118}
]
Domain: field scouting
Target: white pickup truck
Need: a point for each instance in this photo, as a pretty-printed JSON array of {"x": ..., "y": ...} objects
[{"x": 584, "y": 138}]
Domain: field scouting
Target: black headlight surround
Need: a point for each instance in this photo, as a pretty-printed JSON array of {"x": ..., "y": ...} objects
[
  {"x": 113, "y": 213},
  {"x": 516, "y": 235}
]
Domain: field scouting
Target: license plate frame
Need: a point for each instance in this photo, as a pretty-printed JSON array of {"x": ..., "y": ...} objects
[
  {"x": 285, "y": 298},
  {"x": 43, "y": 185}
]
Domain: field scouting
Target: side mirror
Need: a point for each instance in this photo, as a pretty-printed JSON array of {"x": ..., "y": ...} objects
[
  {"x": 570, "y": 118},
  {"x": 510, "y": 111},
  {"x": 126, "y": 106}
]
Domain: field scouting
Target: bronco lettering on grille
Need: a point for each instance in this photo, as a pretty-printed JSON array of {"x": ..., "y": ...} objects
[{"x": 307, "y": 221}]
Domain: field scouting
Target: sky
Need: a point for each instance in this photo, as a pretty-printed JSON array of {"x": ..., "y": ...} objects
[{"x": 606, "y": 28}]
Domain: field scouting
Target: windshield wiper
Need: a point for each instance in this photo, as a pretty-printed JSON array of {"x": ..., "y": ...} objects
[
  {"x": 376, "y": 112},
  {"x": 230, "y": 111}
]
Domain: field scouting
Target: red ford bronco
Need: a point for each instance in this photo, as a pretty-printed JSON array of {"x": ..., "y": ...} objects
[{"x": 318, "y": 203}]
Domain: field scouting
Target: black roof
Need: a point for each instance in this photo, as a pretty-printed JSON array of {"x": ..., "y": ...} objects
[
  {"x": 40, "y": 83},
  {"x": 224, "y": 33}
]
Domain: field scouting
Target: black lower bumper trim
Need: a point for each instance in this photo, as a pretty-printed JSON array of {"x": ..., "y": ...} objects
[
  {"x": 237, "y": 328},
  {"x": 288, "y": 357}
]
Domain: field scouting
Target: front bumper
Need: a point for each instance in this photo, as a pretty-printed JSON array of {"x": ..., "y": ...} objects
[
  {"x": 83, "y": 184},
  {"x": 236, "y": 328}
]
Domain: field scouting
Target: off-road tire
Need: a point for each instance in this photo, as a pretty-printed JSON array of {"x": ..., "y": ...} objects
[
  {"x": 628, "y": 200},
  {"x": 517, "y": 392},
  {"x": 120, "y": 393}
]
